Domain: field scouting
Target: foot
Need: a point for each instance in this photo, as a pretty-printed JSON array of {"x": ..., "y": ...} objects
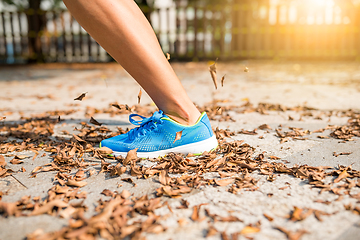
[{"x": 159, "y": 135}]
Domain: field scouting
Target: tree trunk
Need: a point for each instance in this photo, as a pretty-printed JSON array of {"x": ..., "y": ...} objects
[{"x": 35, "y": 25}]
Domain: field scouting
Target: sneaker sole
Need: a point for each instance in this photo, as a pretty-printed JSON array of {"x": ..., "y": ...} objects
[{"x": 194, "y": 148}]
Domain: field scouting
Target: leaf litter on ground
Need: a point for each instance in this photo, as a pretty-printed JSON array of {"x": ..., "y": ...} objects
[{"x": 234, "y": 161}]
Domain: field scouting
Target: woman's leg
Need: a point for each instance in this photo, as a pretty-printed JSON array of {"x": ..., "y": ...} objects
[{"x": 122, "y": 30}]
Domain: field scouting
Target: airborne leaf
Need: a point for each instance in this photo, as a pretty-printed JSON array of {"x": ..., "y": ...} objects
[
  {"x": 80, "y": 98},
  {"x": 222, "y": 80},
  {"x": 212, "y": 70},
  {"x": 93, "y": 121},
  {"x": 139, "y": 96},
  {"x": 178, "y": 136}
]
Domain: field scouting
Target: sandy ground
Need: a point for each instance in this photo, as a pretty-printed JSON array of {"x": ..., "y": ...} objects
[{"x": 27, "y": 91}]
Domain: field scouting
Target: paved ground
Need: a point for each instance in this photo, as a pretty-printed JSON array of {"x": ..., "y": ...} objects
[{"x": 331, "y": 88}]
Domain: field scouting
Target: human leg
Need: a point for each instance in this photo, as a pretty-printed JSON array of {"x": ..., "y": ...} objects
[{"x": 122, "y": 30}]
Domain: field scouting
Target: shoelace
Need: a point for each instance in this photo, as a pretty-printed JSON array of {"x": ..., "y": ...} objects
[{"x": 145, "y": 125}]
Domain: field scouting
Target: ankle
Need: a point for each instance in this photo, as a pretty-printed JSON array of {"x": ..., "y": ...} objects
[{"x": 184, "y": 117}]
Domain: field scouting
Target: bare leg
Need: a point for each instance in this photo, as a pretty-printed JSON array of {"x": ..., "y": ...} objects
[{"x": 122, "y": 30}]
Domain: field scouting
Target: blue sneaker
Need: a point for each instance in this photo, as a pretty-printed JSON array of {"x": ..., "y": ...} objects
[{"x": 155, "y": 137}]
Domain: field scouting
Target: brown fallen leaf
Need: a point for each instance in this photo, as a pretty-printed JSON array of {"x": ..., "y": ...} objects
[
  {"x": 21, "y": 157},
  {"x": 130, "y": 156},
  {"x": 16, "y": 161},
  {"x": 67, "y": 212},
  {"x": 78, "y": 138},
  {"x": 80, "y": 98},
  {"x": 129, "y": 180},
  {"x": 105, "y": 150},
  {"x": 164, "y": 178},
  {"x": 341, "y": 176},
  {"x": 36, "y": 169},
  {"x": 211, "y": 231},
  {"x": 107, "y": 193},
  {"x": 8, "y": 209},
  {"x": 182, "y": 222},
  {"x": 195, "y": 214},
  {"x": 264, "y": 126},
  {"x": 268, "y": 217},
  {"x": 125, "y": 194},
  {"x": 224, "y": 236},
  {"x": 49, "y": 207},
  {"x": 224, "y": 182},
  {"x": 178, "y": 136},
  {"x": 93, "y": 121},
  {"x": 74, "y": 183},
  {"x": 222, "y": 80},
  {"x": 249, "y": 229},
  {"x": 2, "y": 161},
  {"x": 212, "y": 70},
  {"x": 139, "y": 96},
  {"x": 292, "y": 235}
]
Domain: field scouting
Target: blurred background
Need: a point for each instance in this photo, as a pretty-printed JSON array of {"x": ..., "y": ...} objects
[{"x": 34, "y": 31}]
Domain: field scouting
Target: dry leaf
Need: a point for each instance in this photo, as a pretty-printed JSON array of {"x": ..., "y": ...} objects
[
  {"x": 341, "y": 176},
  {"x": 67, "y": 212},
  {"x": 125, "y": 194},
  {"x": 139, "y": 96},
  {"x": 292, "y": 235},
  {"x": 178, "y": 136},
  {"x": 212, "y": 70},
  {"x": 93, "y": 121},
  {"x": 80, "y": 98},
  {"x": 21, "y": 157},
  {"x": 249, "y": 229},
  {"x": 49, "y": 207},
  {"x": 74, "y": 183},
  {"x": 224, "y": 182},
  {"x": 164, "y": 178},
  {"x": 78, "y": 138},
  {"x": 105, "y": 150},
  {"x": 2, "y": 118},
  {"x": 268, "y": 217},
  {"x": 16, "y": 161},
  {"x": 130, "y": 156},
  {"x": 224, "y": 236},
  {"x": 195, "y": 214},
  {"x": 36, "y": 169},
  {"x": 182, "y": 222},
  {"x": 222, "y": 80},
  {"x": 211, "y": 231},
  {"x": 107, "y": 193},
  {"x": 2, "y": 161}
]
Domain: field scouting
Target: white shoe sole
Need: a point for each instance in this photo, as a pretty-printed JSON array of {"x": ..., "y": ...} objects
[{"x": 195, "y": 148}]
